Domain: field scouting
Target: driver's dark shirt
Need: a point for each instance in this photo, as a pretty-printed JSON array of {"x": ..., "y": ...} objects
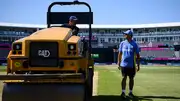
[{"x": 72, "y": 28}]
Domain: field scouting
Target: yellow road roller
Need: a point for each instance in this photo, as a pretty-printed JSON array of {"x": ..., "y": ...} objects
[{"x": 51, "y": 64}]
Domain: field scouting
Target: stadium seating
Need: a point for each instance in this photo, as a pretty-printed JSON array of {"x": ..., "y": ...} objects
[
  {"x": 158, "y": 53},
  {"x": 156, "y": 44},
  {"x": 110, "y": 36}
]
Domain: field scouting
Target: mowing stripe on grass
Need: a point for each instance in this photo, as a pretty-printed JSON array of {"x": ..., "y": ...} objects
[
  {"x": 95, "y": 83},
  {"x": 108, "y": 83}
]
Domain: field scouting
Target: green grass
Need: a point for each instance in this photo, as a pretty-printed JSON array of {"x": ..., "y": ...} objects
[
  {"x": 2, "y": 68},
  {"x": 152, "y": 83}
]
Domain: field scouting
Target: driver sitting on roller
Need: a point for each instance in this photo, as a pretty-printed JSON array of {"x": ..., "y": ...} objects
[{"x": 72, "y": 25}]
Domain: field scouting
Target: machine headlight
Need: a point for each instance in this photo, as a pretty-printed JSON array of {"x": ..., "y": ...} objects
[
  {"x": 17, "y": 46},
  {"x": 72, "y": 47}
]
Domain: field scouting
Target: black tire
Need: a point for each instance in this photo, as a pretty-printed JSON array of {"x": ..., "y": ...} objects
[
  {"x": 89, "y": 86},
  {"x": 90, "y": 83}
]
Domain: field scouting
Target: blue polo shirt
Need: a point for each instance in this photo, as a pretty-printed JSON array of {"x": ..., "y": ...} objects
[{"x": 129, "y": 50}]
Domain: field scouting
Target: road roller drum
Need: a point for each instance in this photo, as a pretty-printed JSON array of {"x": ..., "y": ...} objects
[{"x": 43, "y": 92}]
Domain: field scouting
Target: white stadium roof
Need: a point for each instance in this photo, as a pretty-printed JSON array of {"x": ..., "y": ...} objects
[{"x": 155, "y": 25}]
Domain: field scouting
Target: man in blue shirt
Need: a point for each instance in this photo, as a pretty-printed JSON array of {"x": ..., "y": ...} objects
[
  {"x": 72, "y": 25},
  {"x": 127, "y": 57}
]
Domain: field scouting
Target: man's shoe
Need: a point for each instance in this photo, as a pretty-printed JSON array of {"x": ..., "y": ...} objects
[
  {"x": 123, "y": 95},
  {"x": 131, "y": 95}
]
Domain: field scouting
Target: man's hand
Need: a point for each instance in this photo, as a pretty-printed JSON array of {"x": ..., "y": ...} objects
[
  {"x": 74, "y": 32},
  {"x": 138, "y": 67},
  {"x": 119, "y": 65},
  {"x": 138, "y": 62}
]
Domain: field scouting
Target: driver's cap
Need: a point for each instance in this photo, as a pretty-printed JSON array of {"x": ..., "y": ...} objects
[
  {"x": 128, "y": 32},
  {"x": 73, "y": 18}
]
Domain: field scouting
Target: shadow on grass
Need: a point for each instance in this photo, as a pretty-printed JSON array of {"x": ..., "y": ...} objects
[{"x": 137, "y": 98}]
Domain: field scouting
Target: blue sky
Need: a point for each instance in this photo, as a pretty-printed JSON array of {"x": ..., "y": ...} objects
[{"x": 105, "y": 11}]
